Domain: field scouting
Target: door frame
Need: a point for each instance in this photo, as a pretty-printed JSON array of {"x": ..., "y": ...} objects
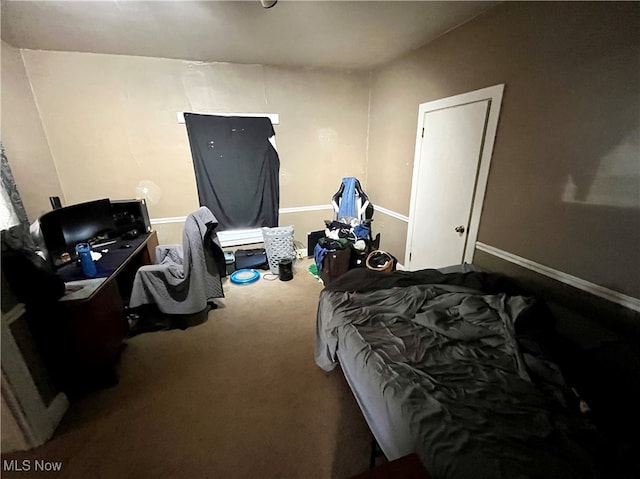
[
  {"x": 494, "y": 95},
  {"x": 36, "y": 420}
]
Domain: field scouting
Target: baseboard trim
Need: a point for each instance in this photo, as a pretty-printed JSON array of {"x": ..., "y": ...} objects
[
  {"x": 172, "y": 219},
  {"x": 294, "y": 209},
  {"x": 584, "y": 285},
  {"x": 302, "y": 209},
  {"x": 254, "y": 235},
  {"x": 393, "y": 214}
]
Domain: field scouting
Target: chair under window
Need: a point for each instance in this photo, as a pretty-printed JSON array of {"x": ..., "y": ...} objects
[{"x": 186, "y": 278}]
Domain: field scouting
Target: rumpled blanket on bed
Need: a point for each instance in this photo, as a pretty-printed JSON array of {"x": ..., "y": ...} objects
[{"x": 447, "y": 360}]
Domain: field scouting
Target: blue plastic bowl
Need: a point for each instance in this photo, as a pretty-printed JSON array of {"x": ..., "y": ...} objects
[{"x": 244, "y": 276}]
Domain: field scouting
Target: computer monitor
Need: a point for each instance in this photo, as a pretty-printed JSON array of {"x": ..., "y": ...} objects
[{"x": 64, "y": 227}]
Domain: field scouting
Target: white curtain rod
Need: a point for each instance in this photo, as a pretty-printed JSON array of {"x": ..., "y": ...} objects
[{"x": 274, "y": 117}]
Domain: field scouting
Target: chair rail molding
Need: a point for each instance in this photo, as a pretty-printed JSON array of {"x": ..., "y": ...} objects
[
  {"x": 391, "y": 213},
  {"x": 243, "y": 236},
  {"x": 584, "y": 285}
]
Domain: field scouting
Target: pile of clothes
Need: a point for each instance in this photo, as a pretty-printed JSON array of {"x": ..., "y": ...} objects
[
  {"x": 343, "y": 234},
  {"x": 353, "y": 230}
]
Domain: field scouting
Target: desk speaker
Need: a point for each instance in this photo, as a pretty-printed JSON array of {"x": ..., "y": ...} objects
[{"x": 131, "y": 214}]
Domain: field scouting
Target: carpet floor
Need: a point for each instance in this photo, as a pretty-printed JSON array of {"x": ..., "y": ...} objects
[{"x": 238, "y": 396}]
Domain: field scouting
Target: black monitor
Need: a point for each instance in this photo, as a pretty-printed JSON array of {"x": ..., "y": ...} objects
[{"x": 64, "y": 227}]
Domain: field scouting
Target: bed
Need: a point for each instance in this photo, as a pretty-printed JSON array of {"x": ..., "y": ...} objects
[{"x": 455, "y": 365}]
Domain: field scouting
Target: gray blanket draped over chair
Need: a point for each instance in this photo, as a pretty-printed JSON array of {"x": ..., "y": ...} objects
[{"x": 186, "y": 277}]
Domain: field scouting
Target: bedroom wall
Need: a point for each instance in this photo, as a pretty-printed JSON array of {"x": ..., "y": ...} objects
[
  {"x": 24, "y": 138},
  {"x": 112, "y": 127},
  {"x": 564, "y": 185}
]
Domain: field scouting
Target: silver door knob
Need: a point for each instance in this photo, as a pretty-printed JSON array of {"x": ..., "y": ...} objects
[{"x": 459, "y": 230}]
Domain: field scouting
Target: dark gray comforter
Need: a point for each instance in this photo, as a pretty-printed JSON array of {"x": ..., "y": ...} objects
[{"x": 449, "y": 362}]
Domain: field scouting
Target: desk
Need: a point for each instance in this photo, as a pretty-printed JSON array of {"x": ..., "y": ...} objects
[{"x": 95, "y": 323}]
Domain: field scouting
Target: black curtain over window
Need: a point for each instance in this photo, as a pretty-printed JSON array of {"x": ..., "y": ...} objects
[{"x": 236, "y": 169}]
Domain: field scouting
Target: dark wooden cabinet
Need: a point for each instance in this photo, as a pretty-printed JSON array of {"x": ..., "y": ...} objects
[{"x": 95, "y": 323}]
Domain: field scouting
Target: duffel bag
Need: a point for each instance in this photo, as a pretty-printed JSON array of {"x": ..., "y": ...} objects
[{"x": 255, "y": 258}]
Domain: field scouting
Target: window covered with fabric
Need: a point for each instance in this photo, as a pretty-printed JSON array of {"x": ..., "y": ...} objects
[{"x": 236, "y": 169}]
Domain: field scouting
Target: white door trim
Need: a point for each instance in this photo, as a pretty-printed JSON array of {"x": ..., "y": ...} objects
[
  {"x": 38, "y": 421},
  {"x": 494, "y": 95}
]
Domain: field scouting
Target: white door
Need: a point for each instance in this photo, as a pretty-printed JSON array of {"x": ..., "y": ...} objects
[{"x": 450, "y": 150}]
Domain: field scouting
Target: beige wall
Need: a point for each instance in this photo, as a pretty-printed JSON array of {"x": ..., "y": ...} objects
[
  {"x": 111, "y": 123},
  {"x": 24, "y": 139},
  {"x": 306, "y": 222},
  {"x": 571, "y": 108},
  {"x": 565, "y": 147},
  {"x": 393, "y": 233}
]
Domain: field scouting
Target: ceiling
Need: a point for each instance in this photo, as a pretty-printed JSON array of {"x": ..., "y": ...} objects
[{"x": 326, "y": 34}]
